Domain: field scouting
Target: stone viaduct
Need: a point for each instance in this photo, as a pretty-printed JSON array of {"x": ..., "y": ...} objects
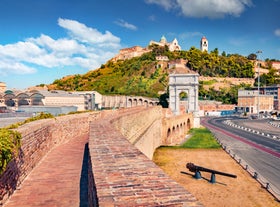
[{"x": 121, "y": 145}]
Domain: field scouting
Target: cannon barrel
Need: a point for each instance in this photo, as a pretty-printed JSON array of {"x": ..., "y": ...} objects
[{"x": 194, "y": 168}]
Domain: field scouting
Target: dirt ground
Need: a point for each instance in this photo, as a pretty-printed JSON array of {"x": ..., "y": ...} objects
[{"x": 243, "y": 191}]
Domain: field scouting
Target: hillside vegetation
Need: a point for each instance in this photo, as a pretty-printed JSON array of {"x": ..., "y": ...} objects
[{"x": 140, "y": 76}]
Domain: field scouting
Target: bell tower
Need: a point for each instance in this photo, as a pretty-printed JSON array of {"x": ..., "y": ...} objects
[{"x": 204, "y": 44}]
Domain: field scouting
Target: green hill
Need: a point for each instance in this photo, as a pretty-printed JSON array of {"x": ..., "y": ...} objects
[
  {"x": 140, "y": 76},
  {"x": 137, "y": 76}
]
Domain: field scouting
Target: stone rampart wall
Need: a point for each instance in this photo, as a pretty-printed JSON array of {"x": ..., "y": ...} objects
[
  {"x": 142, "y": 128},
  {"x": 123, "y": 175},
  {"x": 175, "y": 128},
  {"x": 121, "y": 145},
  {"x": 38, "y": 138}
]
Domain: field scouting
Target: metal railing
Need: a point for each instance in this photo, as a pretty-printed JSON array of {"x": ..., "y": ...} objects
[{"x": 256, "y": 175}]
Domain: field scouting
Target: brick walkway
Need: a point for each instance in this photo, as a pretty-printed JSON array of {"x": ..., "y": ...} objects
[{"x": 57, "y": 180}]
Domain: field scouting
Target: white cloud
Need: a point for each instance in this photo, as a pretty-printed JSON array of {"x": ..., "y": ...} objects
[
  {"x": 166, "y": 4},
  {"x": 125, "y": 24},
  {"x": 152, "y": 18},
  {"x": 84, "y": 47},
  {"x": 238, "y": 41},
  {"x": 277, "y": 32},
  {"x": 15, "y": 68},
  {"x": 86, "y": 34},
  {"x": 190, "y": 34},
  {"x": 205, "y": 8}
]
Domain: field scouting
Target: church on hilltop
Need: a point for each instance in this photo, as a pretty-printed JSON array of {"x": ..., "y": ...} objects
[
  {"x": 136, "y": 51},
  {"x": 172, "y": 46}
]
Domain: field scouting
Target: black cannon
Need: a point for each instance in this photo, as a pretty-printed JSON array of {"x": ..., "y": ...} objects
[{"x": 197, "y": 169}]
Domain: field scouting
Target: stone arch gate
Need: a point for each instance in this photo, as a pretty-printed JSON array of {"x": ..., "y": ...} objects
[{"x": 187, "y": 83}]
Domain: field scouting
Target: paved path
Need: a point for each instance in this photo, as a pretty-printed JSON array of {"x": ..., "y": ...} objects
[{"x": 57, "y": 180}]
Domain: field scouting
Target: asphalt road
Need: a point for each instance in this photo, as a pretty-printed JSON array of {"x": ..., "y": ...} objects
[
  {"x": 4, "y": 122},
  {"x": 262, "y": 154}
]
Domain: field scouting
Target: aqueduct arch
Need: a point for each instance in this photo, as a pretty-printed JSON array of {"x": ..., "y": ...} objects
[{"x": 187, "y": 83}]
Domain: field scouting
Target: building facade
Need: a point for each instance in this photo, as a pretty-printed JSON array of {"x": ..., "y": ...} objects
[
  {"x": 2, "y": 87},
  {"x": 276, "y": 65},
  {"x": 172, "y": 46},
  {"x": 57, "y": 101},
  {"x": 274, "y": 91},
  {"x": 204, "y": 44},
  {"x": 128, "y": 53},
  {"x": 251, "y": 102}
]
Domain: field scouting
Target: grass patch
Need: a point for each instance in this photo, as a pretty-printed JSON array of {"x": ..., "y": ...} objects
[{"x": 201, "y": 138}]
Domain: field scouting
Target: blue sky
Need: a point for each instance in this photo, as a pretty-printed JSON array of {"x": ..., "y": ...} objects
[{"x": 44, "y": 40}]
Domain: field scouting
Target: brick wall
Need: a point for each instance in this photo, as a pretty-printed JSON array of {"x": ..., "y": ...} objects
[
  {"x": 123, "y": 175},
  {"x": 37, "y": 139},
  {"x": 142, "y": 128},
  {"x": 120, "y": 145}
]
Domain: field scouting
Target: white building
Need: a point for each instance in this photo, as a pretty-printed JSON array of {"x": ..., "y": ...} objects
[
  {"x": 63, "y": 98},
  {"x": 250, "y": 101},
  {"x": 204, "y": 44},
  {"x": 172, "y": 46}
]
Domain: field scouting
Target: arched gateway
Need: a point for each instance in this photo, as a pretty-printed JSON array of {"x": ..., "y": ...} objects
[{"x": 186, "y": 83}]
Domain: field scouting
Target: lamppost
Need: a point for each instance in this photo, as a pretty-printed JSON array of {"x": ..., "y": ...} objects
[{"x": 258, "y": 106}]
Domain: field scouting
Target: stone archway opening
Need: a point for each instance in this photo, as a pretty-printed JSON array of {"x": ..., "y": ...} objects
[
  {"x": 183, "y": 89},
  {"x": 183, "y": 96}
]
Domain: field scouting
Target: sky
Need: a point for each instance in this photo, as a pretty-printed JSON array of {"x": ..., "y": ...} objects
[{"x": 45, "y": 40}]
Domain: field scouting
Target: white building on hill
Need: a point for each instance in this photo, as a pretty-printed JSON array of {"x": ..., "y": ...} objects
[
  {"x": 204, "y": 44},
  {"x": 172, "y": 46}
]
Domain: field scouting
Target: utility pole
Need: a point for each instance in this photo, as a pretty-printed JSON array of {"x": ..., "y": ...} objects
[{"x": 258, "y": 106}]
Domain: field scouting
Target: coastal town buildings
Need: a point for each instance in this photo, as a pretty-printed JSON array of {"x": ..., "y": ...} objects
[
  {"x": 252, "y": 102},
  {"x": 62, "y": 102},
  {"x": 128, "y": 53},
  {"x": 136, "y": 51},
  {"x": 273, "y": 90}
]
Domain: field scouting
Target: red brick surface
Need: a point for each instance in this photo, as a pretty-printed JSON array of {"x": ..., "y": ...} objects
[
  {"x": 123, "y": 175},
  {"x": 126, "y": 177},
  {"x": 56, "y": 179}
]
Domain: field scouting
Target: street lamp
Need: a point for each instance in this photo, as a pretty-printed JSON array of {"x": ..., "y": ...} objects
[{"x": 258, "y": 106}]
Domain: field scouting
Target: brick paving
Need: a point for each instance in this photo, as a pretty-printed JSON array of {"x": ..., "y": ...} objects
[
  {"x": 55, "y": 182},
  {"x": 126, "y": 177},
  {"x": 123, "y": 175}
]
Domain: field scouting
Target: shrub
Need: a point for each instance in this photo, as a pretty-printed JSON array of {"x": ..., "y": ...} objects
[{"x": 9, "y": 145}]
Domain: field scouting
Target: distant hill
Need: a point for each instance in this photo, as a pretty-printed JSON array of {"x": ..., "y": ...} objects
[{"x": 142, "y": 75}]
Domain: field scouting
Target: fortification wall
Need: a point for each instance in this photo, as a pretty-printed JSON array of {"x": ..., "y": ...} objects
[
  {"x": 38, "y": 138},
  {"x": 142, "y": 128},
  {"x": 123, "y": 175},
  {"x": 121, "y": 145}
]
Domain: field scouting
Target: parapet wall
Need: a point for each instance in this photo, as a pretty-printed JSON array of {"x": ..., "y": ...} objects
[
  {"x": 142, "y": 128},
  {"x": 123, "y": 175},
  {"x": 38, "y": 138},
  {"x": 121, "y": 145}
]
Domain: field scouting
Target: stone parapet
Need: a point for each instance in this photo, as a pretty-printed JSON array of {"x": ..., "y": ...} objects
[
  {"x": 124, "y": 176},
  {"x": 38, "y": 138},
  {"x": 121, "y": 145}
]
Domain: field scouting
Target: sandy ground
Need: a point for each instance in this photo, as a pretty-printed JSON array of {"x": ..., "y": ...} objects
[{"x": 243, "y": 191}]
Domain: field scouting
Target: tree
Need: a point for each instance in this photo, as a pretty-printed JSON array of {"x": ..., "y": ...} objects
[{"x": 252, "y": 56}]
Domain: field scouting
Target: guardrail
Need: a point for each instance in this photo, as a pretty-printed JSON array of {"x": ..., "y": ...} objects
[
  {"x": 257, "y": 176},
  {"x": 274, "y": 124},
  {"x": 230, "y": 123}
]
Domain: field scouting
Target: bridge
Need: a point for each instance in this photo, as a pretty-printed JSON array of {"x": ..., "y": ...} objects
[{"x": 99, "y": 158}]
